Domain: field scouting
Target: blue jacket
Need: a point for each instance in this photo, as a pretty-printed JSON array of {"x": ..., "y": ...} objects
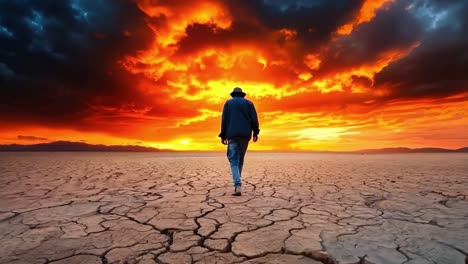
[{"x": 239, "y": 119}]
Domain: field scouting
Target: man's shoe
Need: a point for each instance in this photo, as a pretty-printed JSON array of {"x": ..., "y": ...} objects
[{"x": 237, "y": 191}]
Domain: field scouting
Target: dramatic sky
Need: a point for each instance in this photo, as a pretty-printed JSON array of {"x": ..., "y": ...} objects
[{"x": 323, "y": 74}]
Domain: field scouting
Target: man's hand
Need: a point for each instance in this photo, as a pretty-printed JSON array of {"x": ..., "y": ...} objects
[
  {"x": 255, "y": 138},
  {"x": 224, "y": 141}
]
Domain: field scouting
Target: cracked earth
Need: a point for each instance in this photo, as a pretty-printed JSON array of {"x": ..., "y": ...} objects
[{"x": 177, "y": 208}]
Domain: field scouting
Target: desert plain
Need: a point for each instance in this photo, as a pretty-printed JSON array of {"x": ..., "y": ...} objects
[{"x": 68, "y": 208}]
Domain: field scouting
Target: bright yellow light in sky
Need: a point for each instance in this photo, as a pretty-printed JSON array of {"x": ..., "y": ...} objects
[{"x": 185, "y": 141}]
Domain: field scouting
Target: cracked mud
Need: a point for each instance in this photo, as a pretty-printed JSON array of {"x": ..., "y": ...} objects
[{"x": 177, "y": 208}]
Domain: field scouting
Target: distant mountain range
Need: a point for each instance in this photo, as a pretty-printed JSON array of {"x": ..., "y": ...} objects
[
  {"x": 415, "y": 150},
  {"x": 80, "y": 146}
]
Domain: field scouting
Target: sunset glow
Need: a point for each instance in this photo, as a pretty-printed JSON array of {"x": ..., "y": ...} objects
[{"x": 333, "y": 75}]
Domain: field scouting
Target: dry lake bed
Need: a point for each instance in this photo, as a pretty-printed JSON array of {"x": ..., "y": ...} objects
[{"x": 177, "y": 208}]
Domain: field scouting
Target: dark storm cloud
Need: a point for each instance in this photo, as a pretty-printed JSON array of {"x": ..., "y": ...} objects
[
  {"x": 201, "y": 36},
  {"x": 58, "y": 56},
  {"x": 392, "y": 29},
  {"x": 254, "y": 21},
  {"x": 314, "y": 20},
  {"x": 439, "y": 66}
]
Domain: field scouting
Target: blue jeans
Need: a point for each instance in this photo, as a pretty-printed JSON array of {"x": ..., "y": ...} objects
[{"x": 236, "y": 152}]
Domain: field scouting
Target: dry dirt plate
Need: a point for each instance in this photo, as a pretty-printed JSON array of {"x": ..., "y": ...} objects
[{"x": 178, "y": 208}]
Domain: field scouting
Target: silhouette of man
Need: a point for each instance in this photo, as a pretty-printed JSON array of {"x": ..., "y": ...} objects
[{"x": 238, "y": 121}]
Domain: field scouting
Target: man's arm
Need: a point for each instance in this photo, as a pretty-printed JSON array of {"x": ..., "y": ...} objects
[
  {"x": 224, "y": 122},
  {"x": 254, "y": 121}
]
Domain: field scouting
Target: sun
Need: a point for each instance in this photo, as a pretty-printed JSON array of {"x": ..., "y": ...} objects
[{"x": 185, "y": 141}]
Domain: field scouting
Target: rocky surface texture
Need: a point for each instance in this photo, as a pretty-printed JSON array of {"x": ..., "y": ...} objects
[{"x": 177, "y": 208}]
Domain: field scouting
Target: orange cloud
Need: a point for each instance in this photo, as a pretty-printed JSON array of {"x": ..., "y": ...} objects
[{"x": 366, "y": 14}]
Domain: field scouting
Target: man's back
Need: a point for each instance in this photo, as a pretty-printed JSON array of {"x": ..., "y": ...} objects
[{"x": 239, "y": 118}]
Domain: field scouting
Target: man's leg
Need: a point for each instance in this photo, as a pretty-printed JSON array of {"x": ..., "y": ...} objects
[
  {"x": 233, "y": 154},
  {"x": 243, "y": 144}
]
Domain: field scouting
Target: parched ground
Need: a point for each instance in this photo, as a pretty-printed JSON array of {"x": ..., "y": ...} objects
[{"x": 177, "y": 208}]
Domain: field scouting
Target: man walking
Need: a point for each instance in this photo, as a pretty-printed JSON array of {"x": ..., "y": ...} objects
[{"x": 238, "y": 121}]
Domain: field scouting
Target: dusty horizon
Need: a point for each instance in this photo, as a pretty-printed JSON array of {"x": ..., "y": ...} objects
[
  {"x": 132, "y": 148},
  {"x": 323, "y": 75}
]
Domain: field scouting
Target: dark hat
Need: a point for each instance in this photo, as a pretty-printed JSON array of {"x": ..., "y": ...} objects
[{"x": 237, "y": 91}]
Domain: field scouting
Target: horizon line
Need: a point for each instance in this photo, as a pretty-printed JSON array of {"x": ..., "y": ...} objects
[{"x": 396, "y": 149}]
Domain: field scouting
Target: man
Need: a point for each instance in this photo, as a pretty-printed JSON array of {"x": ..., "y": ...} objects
[{"x": 238, "y": 121}]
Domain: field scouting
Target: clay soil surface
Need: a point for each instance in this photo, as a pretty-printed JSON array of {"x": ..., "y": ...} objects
[{"x": 178, "y": 208}]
